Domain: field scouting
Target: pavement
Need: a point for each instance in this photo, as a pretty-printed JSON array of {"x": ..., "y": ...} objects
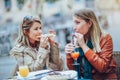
[{"x": 7, "y": 65}]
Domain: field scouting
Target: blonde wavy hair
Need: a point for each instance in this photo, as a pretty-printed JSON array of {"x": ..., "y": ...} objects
[
  {"x": 27, "y": 23},
  {"x": 95, "y": 30}
]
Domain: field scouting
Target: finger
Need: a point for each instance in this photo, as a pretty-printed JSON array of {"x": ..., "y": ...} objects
[
  {"x": 45, "y": 40},
  {"x": 70, "y": 44},
  {"x": 78, "y": 34},
  {"x": 69, "y": 48},
  {"x": 68, "y": 51},
  {"x": 44, "y": 37},
  {"x": 51, "y": 31}
]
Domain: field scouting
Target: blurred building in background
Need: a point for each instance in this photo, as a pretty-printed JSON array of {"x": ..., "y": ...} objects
[{"x": 55, "y": 14}]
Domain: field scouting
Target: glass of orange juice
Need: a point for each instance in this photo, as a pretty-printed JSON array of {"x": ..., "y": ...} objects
[
  {"x": 24, "y": 71},
  {"x": 75, "y": 55}
]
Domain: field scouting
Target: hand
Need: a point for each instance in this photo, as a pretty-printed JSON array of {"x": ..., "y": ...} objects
[
  {"x": 51, "y": 36},
  {"x": 80, "y": 39},
  {"x": 44, "y": 41},
  {"x": 69, "y": 48},
  {"x": 81, "y": 42}
]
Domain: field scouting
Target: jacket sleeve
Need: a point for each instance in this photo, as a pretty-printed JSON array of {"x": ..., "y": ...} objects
[
  {"x": 100, "y": 61},
  {"x": 55, "y": 61},
  {"x": 39, "y": 63},
  {"x": 33, "y": 64}
]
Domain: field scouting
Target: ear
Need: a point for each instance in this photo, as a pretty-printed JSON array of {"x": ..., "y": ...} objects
[
  {"x": 90, "y": 23},
  {"x": 25, "y": 32}
]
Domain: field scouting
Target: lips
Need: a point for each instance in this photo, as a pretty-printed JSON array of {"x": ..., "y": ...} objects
[{"x": 38, "y": 37}]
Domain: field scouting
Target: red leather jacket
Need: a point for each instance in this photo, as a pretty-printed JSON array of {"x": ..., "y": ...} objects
[{"x": 103, "y": 63}]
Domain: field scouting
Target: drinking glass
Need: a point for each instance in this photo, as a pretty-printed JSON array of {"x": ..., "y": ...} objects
[
  {"x": 75, "y": 55},
  {"x": 23, "y": 71}
]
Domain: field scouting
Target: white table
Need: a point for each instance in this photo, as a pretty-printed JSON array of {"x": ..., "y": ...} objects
[{"x": 43, "y": 74}]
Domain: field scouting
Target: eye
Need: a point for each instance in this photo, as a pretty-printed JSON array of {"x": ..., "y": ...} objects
[
  {"x": 36, "y": 28},
  {"x": 77, "y": 22},
  {"x": 40, "y": 28}
]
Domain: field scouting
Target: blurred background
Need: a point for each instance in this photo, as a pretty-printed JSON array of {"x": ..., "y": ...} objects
[{"x": 55, "y": 14}]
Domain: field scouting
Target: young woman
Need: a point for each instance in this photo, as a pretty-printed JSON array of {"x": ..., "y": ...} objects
[
  {"x": 32, "y": 47},
  {"x": 95, "y": 47}
]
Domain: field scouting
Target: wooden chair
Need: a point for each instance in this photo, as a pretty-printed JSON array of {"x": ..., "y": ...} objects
[{"x": 116, "y": 55}]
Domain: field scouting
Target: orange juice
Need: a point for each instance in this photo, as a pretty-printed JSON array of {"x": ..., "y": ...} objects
[
  {"x": 24, "y": 71},
  {"x": 75, "y": 55}
]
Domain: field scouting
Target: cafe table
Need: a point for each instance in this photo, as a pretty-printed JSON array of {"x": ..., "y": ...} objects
[{"x": 49, "y": 75}]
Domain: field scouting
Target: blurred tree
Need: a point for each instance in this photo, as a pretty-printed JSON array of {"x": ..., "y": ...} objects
[
  {"x": 39, "y": 7},
  {"x": 118, "y": 1},
  {"x": 51, "y": 1},
  {"x": 70, "y": 6},
  {"x": 7, "y": 5},
  {"x": 20, "y": 3},
  {"x": 111, "y": 4}
]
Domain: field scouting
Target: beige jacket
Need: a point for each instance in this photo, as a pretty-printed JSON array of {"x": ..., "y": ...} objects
[{"x": 37, "y": 60}]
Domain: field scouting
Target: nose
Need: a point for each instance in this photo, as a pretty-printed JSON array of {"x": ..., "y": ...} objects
[
  {"x": 39, "y": 31},
  {"x": 74, "y": 28}
]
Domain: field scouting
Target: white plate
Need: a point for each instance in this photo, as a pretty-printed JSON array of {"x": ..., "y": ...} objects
[{"x": 70, "y": 74}]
